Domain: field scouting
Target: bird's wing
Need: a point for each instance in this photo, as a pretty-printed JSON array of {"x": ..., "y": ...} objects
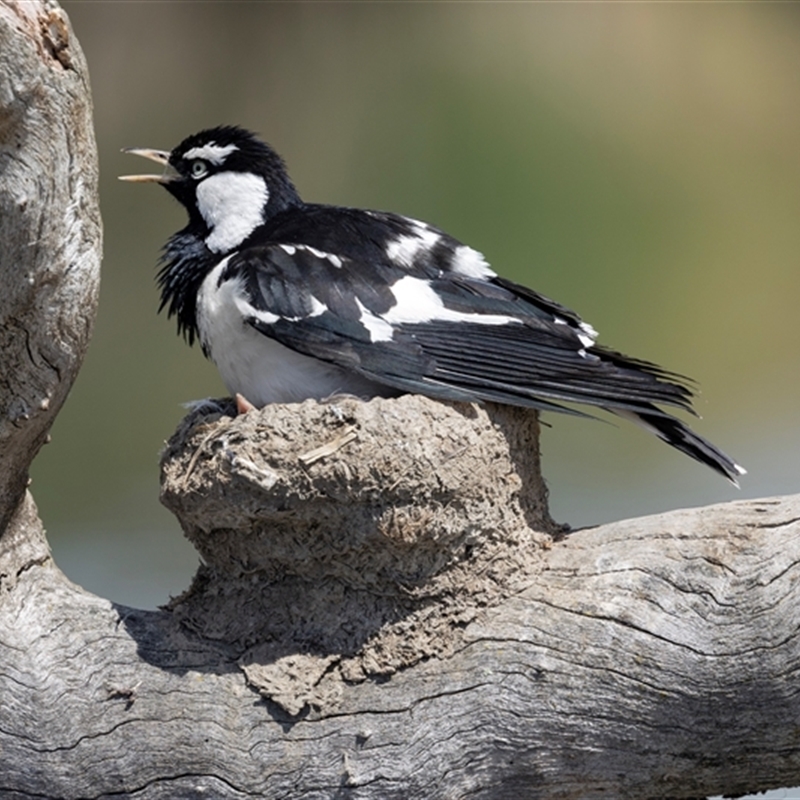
[{"x": 451, "y": 336}]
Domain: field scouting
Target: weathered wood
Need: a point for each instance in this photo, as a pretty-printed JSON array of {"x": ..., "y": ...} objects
[
  {"x": 49, "y": 228},
  {"x": 370, "y": 559},
  {"x": 651, "y": 658}
]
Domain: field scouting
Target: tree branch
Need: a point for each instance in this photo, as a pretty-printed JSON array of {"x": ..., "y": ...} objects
[{"x": 651, "y": 658}]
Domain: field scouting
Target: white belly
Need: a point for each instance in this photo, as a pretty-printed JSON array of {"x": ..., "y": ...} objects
[{"x": 257, "y": 367}]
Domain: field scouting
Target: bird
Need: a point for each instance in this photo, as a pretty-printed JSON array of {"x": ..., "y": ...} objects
[{"x": 294, "y": 300}]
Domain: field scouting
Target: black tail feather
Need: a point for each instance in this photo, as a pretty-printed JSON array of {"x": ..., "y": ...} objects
[{"x": 681, "y": 437}]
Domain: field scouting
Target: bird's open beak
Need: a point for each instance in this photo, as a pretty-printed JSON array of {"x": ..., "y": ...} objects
[{"x": 159, "y": 156}]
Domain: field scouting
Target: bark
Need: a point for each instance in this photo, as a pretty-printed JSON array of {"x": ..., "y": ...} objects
[
  {"x": 385, "y": 609},
  {"x": 649, "y": 658},
  {"x": 49, "y": 228}
]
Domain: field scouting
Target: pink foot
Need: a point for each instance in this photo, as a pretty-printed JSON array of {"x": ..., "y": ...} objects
[{"x": 243, "y": 405}]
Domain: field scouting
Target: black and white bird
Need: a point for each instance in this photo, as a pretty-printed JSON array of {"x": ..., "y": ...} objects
[{"x": 294, "y": 300}]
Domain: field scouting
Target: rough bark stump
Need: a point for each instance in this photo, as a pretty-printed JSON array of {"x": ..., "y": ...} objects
[{"x": 385, "y": 608}]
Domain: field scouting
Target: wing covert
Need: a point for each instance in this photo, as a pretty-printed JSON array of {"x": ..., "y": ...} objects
[{"x": 454, "y": 337}]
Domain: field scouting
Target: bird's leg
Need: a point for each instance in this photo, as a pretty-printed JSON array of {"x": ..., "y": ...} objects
[{"x": 243, "y": 405}]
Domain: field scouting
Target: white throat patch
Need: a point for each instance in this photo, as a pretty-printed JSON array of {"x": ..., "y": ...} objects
[{"x": 232, "y": 205}]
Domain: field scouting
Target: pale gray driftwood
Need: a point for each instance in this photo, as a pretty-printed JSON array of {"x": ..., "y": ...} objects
[
  {"x": 386, "y": 610},
  {"x": 652, "y": 658}
]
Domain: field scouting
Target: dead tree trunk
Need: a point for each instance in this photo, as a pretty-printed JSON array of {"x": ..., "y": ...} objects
[
  {"x": 50, "y": 231},
  {"x": 385, "y": 609}
]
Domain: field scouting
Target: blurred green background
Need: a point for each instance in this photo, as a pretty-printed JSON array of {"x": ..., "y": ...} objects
[{"x": 637, "y": 162}]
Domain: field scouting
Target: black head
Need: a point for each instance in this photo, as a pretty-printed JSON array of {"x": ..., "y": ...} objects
[
  {"x": 230, "y": 149},
  {"x": 229, "y": 181}
]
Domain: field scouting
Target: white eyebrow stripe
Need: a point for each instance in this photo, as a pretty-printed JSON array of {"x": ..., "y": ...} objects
[{"x": 211, "y": 152}]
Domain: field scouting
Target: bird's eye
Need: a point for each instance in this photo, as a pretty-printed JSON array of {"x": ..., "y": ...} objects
[{"x": 199, "y": 168}]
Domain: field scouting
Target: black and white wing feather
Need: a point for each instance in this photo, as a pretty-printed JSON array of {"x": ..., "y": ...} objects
[{"x": 382, "y": 324}]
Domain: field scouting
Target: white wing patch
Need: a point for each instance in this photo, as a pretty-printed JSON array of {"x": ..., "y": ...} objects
[
  {"x": 291, "y": 249},
  {"x": 379, "y": 330},
  {"x": 317, "y": 308},
  {"x": 404, "y": 249},
  {"x": 212, "y": 152},
  {"x": 586, "y": 334},
  {"x": 334, "y": 259},
  {"x": 471, "y": 263},
  {"x": 232, "y": 205},
  {"x": 256, "y": 366},
  {"x": 418, "y": 302},
  {"x": 589, "y": 331}
]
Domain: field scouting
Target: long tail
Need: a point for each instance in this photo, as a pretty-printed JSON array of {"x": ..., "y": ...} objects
[{"x": 681, "y": 437}]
